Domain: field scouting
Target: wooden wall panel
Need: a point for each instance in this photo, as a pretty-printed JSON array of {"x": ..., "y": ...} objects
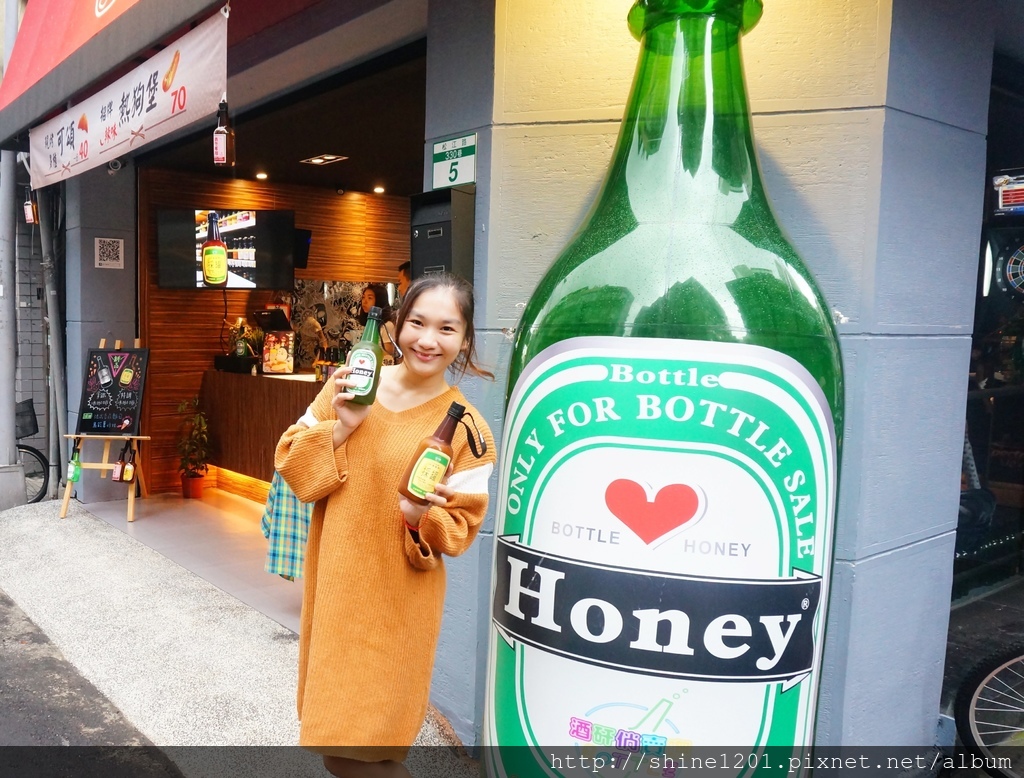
[{"x": 356, "y": 237}]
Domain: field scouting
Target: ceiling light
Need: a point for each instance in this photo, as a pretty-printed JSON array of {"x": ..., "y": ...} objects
[
  {"x": 323, "y": 159},
  {"x": 378, "y": 189},
  {"x": 261, "y": 176}
]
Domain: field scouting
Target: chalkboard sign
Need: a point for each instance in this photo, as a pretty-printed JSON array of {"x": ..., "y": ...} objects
[{"x": 112, "y": 392}]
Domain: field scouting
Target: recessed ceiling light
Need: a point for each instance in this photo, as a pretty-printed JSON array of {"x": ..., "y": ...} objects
[
  {"x": 261, "y": 176},
  {"x": 323, "y": 159},
  {"x": 378, "y": 189}
]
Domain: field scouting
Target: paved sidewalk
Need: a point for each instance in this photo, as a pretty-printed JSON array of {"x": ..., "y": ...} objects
[{"x": 160, "y": 652}]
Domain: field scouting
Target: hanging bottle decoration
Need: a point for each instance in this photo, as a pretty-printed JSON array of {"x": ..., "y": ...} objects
[
  {"x": 74, "y": 466},
  {"x": 31, "y": 208},
  {"x": 224, "y": 137},
  {"x": 128, "y": 471}
]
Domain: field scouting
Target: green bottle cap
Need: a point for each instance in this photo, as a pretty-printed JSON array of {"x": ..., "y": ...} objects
[{"x": 646, "y": 13}]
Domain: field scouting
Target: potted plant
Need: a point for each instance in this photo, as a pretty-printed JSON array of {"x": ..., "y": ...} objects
[{"x": 193, "y": 446}]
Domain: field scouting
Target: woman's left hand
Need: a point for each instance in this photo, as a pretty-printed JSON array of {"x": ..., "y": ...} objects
[{"x": 413, "y": 513}]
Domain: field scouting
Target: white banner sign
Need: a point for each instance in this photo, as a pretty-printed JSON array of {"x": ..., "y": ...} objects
[{"x": 180, "y": 85}]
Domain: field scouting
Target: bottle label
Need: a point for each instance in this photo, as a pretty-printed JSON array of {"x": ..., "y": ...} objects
[
  {"x": 128, "y": 473},
  {"x": 215, "y": 265},
  {"x": 364, "y": 367},
  {"x": 428, "y": 470},
  {"x": 220, "y": 148},
  {"x": 115, "y": 474},
  {"x": 74, "y": 470},
  {"x": 663, "y": 545}
]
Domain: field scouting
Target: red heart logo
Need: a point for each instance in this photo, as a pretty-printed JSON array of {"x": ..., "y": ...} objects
[{"x": 673, "y": 506}]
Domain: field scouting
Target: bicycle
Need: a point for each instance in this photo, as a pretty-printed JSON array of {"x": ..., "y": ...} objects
[
  {"x": 989, "y": 713},
  {"x": 37, "y": 468}
]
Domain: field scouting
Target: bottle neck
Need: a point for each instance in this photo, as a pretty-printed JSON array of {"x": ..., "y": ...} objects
[
  {"x": 213, "y": 233},
  {"x": 372, "y": 331},
  {"x": 685, "y": 148},
  {"x": 446, "y": 429}
]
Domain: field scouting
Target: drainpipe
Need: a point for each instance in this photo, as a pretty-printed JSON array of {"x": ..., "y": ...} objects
[
  {"x": 12, "y": 475},
  {"x": 51, "y": 310}
]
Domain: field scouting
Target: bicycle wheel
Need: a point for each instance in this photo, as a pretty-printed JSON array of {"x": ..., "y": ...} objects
[
  {"x": 989, "y": 713},
  {"x": 37, "y": 472}
]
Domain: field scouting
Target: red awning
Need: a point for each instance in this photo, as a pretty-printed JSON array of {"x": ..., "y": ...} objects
[{"x": 51, "y": 31}]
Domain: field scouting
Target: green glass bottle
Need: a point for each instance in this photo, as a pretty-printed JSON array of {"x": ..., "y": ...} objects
[
  {"x": 365, "y": 358},
  {"x": 668, "y": 473},
  {"x": 74, "y": 466}
]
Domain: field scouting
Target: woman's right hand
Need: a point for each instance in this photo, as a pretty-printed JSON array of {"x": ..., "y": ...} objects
[{"x": 349, "y": 415}]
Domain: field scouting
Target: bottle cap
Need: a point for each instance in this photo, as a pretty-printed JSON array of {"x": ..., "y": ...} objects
[
  {"x": 456, "y": 410},
  {"x": 212, "y": 216},
  {"x": 374, "y": 312}
]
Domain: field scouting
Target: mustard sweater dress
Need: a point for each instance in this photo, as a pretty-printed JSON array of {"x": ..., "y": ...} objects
[{"x": 373, "y": 595}]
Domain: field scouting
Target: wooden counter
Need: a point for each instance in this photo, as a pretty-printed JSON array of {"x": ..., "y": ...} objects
[{"x": 247, "y": 415}]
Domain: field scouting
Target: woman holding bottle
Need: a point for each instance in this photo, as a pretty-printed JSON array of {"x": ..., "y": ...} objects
[{"x": 375, "y": 575}]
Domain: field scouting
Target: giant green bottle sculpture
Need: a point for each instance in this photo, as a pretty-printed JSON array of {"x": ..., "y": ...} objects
[{"x": 666, "y": 504}]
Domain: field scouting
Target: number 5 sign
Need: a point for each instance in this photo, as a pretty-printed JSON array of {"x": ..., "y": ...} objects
[{"x": 455, "y": 162}]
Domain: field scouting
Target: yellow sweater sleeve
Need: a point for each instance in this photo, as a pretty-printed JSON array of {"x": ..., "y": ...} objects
[
  {"x": 305, "y": 455},
  {"x": 451, "y": 530}
]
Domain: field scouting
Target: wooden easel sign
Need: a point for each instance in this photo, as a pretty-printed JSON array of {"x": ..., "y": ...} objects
[
  {"x": 109, "y": 412},
  {"x": 112, "y": 391}
]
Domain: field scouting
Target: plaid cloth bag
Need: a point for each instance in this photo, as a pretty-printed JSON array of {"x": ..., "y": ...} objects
[{"x": 286, "y": 525}]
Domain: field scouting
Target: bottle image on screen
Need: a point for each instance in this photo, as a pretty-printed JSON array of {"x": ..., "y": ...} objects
[
  {"x": 668, "y": 470},
  {"x": 430, "y": 462},
  {"x": 365, "y": 358},
  {"x": 214, "y": 254}
]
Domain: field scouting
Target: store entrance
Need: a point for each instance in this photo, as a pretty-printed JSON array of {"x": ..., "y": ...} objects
[
  {"x": 989, "y": 529},
  {"x": 989, "y": 546},
  {"x": 987, "y": 597}
]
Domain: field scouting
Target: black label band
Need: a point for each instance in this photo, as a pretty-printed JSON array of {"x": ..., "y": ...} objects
[{"x": 655, "y": 623}]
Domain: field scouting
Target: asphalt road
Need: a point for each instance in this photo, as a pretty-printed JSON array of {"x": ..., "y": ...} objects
[{"x": 44, "y": 701}]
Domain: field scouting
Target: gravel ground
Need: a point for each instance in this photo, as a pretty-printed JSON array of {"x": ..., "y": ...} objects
[{"x": 185, "y": 663}]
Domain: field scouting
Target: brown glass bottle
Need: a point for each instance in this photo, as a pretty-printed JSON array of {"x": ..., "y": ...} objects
[
  {"x": 223, "y": 138},
  {"x": 215, "y": 254},
  {"x": 128, "y": 470},
  {"x": 430, "y": 462}
]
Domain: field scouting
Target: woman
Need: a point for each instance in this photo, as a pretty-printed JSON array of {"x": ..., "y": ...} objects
[
  {"x": 375, "y": 576},
  {"x": 375, "y": 295}
]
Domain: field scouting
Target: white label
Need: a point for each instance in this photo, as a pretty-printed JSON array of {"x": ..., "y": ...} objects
[{"x": 364, "y": 367}]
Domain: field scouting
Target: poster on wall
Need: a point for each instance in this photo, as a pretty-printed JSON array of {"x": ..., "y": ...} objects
[{"x": 112, "y": 392}]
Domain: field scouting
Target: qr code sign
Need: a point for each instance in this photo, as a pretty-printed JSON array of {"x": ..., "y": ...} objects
[{"x": 110, "y": 253}]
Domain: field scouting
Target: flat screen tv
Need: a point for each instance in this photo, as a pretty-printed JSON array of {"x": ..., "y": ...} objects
[{"x": 260, "y": 248}]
